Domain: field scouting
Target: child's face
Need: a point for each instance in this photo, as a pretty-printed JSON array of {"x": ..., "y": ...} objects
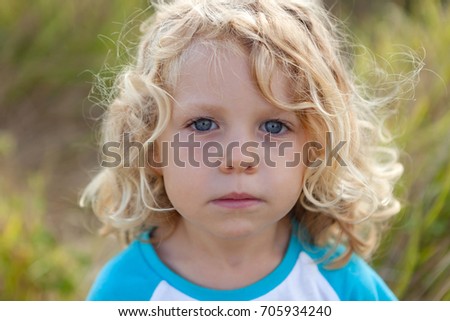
[{"x": 221, "y": 107}]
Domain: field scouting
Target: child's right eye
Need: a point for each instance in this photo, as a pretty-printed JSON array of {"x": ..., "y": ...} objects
[{"x": 203, "y": 124}]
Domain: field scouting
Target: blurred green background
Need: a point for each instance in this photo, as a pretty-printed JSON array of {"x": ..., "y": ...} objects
[{"x": 49, "y": 53}]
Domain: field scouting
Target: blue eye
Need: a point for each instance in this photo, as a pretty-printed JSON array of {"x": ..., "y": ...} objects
[
  {"x": 274, "y": 126},
  {"x": 203, "y": 124}
]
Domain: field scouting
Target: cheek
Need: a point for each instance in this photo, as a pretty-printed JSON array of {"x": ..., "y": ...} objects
[
  {"x": 292, "y": 191},
  {"x": 185, "y": 183},
  {"x": 290, "y": 179},
  {"x": 178, "y": 191},
  {"x": 288, "y": 173},
  {"x": 288, "y": 157}
]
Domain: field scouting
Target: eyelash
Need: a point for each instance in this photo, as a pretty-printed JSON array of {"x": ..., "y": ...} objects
[
  {"x": 192, "y": 123},
  {"x": 283, "y": 124}
]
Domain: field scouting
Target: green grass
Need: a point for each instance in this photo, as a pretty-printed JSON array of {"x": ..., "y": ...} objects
[
  {"x": 416, "y": 259},
  {"x": 33, "y": 265},
  {"x": 48, "y": 51}
]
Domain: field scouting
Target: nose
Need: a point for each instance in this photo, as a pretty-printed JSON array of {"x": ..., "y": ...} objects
[{"x": 240, "y": 157}]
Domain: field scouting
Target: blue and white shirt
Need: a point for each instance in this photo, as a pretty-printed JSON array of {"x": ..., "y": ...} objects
[{"x": 137, "y": 274}]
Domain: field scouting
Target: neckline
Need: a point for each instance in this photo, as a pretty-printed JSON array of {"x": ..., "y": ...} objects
[{"x": 195, "y": 291}]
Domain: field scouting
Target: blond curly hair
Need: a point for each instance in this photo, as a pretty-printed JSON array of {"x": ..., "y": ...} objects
[{"x": 339, "y": 204}]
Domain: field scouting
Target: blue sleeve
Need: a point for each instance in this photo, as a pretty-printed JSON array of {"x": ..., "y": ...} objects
[
  {"x": 357, "y": 281},
  {"x": 127, "y": 277}
]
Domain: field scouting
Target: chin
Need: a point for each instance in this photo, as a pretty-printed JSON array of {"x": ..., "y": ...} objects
[{"x": 237, "y": 231}]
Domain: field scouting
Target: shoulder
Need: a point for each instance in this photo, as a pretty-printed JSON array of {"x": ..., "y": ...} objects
[
  {"x": 355, "y": 281},
  {"x": 126, "y": 277}
]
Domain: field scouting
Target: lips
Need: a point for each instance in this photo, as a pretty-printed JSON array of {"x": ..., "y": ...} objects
[{"x": 237, "y": 201}]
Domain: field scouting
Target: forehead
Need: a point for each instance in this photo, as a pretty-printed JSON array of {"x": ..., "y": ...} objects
[{"x": 217, "y": 68}]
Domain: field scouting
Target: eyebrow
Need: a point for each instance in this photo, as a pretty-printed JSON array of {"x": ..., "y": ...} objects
[
  {"x": 201, "y": 105},
  {"x": 194, "y": 107},
  {"x": 205, "y": 106}
]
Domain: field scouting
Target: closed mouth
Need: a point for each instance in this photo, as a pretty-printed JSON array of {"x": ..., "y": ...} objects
[{"x": 237, "y": 200}]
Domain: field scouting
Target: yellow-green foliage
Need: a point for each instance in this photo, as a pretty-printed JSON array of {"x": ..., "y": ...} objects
[
  {"x": 33, "y": 265},
  {"x": 46, "y": 48},
  {"x": 415, "y": 256}
]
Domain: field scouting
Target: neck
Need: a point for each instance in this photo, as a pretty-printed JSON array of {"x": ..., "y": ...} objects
[
  {"x": 198, "y": 255},
  {"x": 235, "y": 252}
]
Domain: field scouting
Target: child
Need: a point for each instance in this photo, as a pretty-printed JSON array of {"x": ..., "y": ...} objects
[{"x": 257, "y": 172}]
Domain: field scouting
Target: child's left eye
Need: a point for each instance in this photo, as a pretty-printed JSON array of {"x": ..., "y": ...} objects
[{"x": 274, "y": 127}]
